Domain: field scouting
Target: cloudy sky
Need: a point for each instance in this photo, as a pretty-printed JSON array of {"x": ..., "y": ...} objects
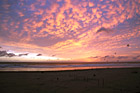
[{"x": 87, "y": 30}]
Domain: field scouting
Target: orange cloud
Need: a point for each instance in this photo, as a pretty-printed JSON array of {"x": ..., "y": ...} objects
[{"x": 70, "y": 25}]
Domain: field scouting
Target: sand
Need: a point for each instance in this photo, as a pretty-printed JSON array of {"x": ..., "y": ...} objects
[{"x": 115, "y": 80}]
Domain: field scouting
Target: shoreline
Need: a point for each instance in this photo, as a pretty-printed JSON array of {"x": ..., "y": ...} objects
[
  {"x": 65, "y": 66},
  {"x": 63, "y": 69},
  {"x": 67, "y": 70}
]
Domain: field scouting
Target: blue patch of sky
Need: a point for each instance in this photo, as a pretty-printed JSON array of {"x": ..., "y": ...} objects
[
  {"x": 38, "y": 30},
  {"x": 61, "y": 3},
  {"x": 128, "y": 24},
  {"x": 25, "y": 34}
]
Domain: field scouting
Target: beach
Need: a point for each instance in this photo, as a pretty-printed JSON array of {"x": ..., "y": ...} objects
[{"x": 113, "y": 80}]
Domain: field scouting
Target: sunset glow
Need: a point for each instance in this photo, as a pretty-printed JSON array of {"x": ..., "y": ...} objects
[{"x": 75, "y": 30}]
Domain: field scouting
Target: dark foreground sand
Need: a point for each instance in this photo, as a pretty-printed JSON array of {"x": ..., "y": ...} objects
[{"x": 124, "y": 80}]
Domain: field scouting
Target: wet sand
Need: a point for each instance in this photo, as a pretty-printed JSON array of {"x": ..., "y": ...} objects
[{"x": 115, "y": 80}]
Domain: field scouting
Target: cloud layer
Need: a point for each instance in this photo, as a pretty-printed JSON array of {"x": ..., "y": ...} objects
[
  {"x": 70, "y": 28},
  {"x": 4, "y": 53}
]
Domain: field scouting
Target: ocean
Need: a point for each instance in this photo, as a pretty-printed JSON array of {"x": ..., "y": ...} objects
[{"x": 61, "y": 66}]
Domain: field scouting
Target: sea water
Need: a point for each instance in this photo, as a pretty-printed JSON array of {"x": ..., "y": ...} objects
[{"x": 36, "y": 66}]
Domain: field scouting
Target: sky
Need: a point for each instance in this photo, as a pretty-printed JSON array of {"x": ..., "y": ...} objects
[{"x": 73, "y": 30}]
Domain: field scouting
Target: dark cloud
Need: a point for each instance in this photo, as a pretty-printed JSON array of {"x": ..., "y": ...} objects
[
  {"x": 137, "y": 57},
  {"x": 123, "y": 57},
  {"x": 94, "y": 57},
  {"x": 105, "y": 57},
  {"x": 39, "y": 55},
  {"x": 11, "y": 55},
  {"x": 103, "y": 29},
  {"x": 108, "y": 57},
  {"x": 0, "y": 47},
  {"x": 117, "y": 57},
  {"x": 23, "y": 54},
  {"x": 53, "y": 55},
  {"x": 4, "y": 53},
  {"x": 112, "y": 57}
]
